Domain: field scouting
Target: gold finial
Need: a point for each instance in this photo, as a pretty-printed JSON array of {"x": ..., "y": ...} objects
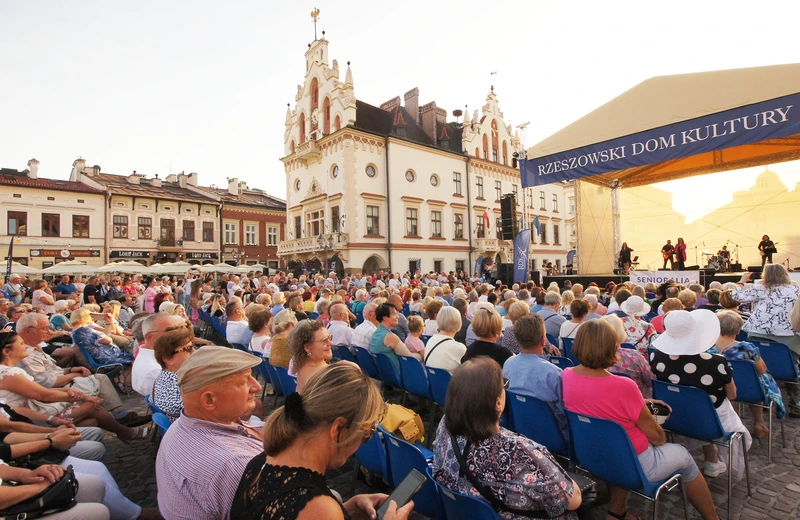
[{"x": 315, "y": 16}]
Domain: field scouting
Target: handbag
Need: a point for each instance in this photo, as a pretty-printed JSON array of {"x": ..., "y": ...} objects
[
  {"x": 404, "y": 423},
  {"x": 59, "y": 496},
  {"x": 585, "y": 484}
]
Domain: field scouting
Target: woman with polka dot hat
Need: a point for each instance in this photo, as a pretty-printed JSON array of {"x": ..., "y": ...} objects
[{"x": 680, "y": 358}]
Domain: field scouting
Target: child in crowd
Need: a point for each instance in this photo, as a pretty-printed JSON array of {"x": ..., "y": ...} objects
[{"x": 413, "y": 341}]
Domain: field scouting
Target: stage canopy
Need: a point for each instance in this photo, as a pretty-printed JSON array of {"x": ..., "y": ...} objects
[
  {"x": 671, "y": 127},
  {"x": 666, "y": 128}
]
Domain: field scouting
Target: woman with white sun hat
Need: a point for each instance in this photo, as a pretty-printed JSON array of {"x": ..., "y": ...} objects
[{"x": 680, "y": 358}]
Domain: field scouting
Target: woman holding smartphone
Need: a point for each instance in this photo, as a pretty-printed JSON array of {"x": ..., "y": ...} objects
[{"x": 309, "y": 435}]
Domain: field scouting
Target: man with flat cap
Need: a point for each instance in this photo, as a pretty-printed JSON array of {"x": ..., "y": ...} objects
[{"x": 203, "y": 454}]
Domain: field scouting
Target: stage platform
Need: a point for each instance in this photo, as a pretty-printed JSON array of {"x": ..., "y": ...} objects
[{"x": 601, "y": 280}]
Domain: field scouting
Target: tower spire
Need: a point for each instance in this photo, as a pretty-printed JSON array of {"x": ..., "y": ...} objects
[{"x": 315, "y": 16}]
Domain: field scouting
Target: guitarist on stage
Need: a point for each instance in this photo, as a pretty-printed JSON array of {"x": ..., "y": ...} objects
[
  {"x": 767, "y": 248},
  {"x": 668, "y": 251}
]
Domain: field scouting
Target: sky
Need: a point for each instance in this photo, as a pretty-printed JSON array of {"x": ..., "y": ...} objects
[{"x": 202, "y": 86}]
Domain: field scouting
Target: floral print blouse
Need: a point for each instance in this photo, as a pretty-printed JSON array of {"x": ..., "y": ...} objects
[
  {"x": 520, "y": 472},
  {"x": 640, "y": 333},
  {"x": 635, "y": 365},
  {"x": 771, "y": 308}
]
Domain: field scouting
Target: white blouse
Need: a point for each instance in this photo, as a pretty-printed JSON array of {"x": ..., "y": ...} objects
[
  {"x": 772, "y": 308},
  {"x": 8, "y": 397}
]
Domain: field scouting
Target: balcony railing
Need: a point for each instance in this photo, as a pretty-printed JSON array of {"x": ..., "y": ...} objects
[
  {"x": 487, "y": 244},
  {"x": 308, "y": 152},
  {"x": 170, "y": 242},
  {"x": 311, "y": 244}
]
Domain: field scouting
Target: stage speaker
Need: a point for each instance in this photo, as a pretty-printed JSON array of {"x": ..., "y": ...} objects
[
  {"x": 692, "y": 268},
  {"x": 754, "y": 268},
  {"x": 508, "y": 216},
  {"x": 620, "y": 270},
  {"x": 664, "y": 269},
  {"x": 709, "y": 271},
  {"x": 505, "y": 273},
  {"x": 735, "y": 268}
]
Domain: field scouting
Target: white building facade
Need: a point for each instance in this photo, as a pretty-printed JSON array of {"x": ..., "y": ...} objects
[{"x": 398, "y": 187}]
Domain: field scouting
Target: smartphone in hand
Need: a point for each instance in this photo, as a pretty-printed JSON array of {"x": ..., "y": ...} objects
[{"x": 404, "y": 492}]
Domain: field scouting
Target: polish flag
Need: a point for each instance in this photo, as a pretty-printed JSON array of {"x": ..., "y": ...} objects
[{"x": 486, "y": 218}]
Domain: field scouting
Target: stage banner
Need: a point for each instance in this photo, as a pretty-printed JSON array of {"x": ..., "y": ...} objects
[
  {"x": 659, "y": 277},
  {"x": 479, "y": 266},
  {"x": 522, "y": 243},
  {"x": 743, "y": 125}
]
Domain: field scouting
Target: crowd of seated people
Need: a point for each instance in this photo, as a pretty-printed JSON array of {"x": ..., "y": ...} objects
[{"x": 479, "y": 333}]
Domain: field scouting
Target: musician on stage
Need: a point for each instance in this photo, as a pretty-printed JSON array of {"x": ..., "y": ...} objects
[
  {"x": 725, "y": 256},
  {"x": 668, "y": 251},
  {"x": 625, "y": 257},
  {"x": 767, "y": 248},
  {"x": 680, "y": 254}
]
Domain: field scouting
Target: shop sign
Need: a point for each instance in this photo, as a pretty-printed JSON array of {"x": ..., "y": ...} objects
[
  {"x": 130, "y": 254},
  {"x": 201, "y": 256},
  {"x": 64, "y": 253}
]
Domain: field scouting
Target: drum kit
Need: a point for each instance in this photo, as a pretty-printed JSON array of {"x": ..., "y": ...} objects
[{"x": 720, "y": 263}]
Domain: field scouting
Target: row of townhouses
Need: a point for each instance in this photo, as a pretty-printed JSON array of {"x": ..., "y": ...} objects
[{"x": 99, "y": 217}]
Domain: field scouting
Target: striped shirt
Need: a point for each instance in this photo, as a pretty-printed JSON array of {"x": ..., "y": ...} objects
[{"x": 199, "y": 466}]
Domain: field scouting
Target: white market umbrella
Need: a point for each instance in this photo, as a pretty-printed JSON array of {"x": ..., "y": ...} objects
[
  {"x": 218, "y": 269},
  {"x": 173, "y": 268},
  {"x": 71, "y": 267},
  {"x": 127, "y": 267},
  {"x": 254, "y": 267},
  {"x": 18, "y": 268}
]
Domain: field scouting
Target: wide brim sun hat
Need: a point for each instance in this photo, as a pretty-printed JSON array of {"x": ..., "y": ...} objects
[
  {"x": 688, "y": 333},
  {"x": 635, "y": 306}
]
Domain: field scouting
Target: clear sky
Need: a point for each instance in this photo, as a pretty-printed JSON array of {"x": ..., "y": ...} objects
[{"x": 200, "y": 85}]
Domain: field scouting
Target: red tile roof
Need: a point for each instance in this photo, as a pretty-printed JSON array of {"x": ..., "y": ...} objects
[{"x": 23, "y": 181}]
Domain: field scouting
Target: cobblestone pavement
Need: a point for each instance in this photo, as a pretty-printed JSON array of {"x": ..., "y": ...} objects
[{"x": 775, "y": 487}]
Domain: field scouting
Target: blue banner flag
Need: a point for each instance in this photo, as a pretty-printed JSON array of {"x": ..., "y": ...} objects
[
  {"x": 479, "y": 266},
  {"x": 522, "y": 244},
  {"x": 537, "y": 225},
  {"x": 754, "y": 123}
]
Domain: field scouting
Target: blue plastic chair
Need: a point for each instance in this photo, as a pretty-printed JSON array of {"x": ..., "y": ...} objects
[
  {"x": 552, "y": 340},
  {"x": 148, "y": 399},
  {"x": 344, "y": 353},
  {"x": 629, "y": 346},
  {"x": 620, "y": 374},
  {"x": 604, "y": 449},
  {"x": 741, "y": 336},
  {"x": 457, "y": 506},
  {"x": 750, "y": 391},
  {"x": 424, "y": 338},
  {"x": 313, "y": 315},
  {"x": 567, "y": 350},
  {"x": 366, "y": 362},
  {"x": 561, "y": 362},
  {"x": 277, "y": 385},
  {"x": 162, "y": 421},
  {"x": 288, "y": 383},
  {"x": 779, "y": 360},
  {"x": 438, "y": 381},
  {"x": 535, "y": 420},
  {"x": 101, "y": 367},
  {"x": 243, "y": 348},
  {"x": 387, "y": 371},
  {"x": 372, "y": 456},
  {"x": 693, "y": 415},
  {"x": 403, "y": 457}
]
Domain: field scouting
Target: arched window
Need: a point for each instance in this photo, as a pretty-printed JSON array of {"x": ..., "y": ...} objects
[
  {"x": 495, "y": 147},
  {"x": 301, "y": 124},
  {"x": 314, "y": 100},
  {"x": 326, "y": 116},
  {"x": 338, "y": 123},
  {"x": 505, "y": 153},
  {"x": 485, "y": 146}
]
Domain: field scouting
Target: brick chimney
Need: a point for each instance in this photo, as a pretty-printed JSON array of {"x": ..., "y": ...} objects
[
  {"x": 233, "y": 186},
  {"x": 33, "y": 169},
  {"x": 193, "y": 179},
  {"x": 171, "y": 178},
  {"x": 412, "y": 103},
  {"x": 389, "y": 105},
  {"x": 155, "y": 181},
  {"x": 182, "y": 180},
  {"x": 427, "y": 118}
]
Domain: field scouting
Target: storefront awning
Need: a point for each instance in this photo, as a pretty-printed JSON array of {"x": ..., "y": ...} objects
[{"x": 671, "y": 127}]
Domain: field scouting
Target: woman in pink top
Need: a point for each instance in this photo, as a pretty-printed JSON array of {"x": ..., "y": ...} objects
[
  {"x": 413, "y": 340},
  {"x": 150, "y": 294},
  {"x": 590, "y": 389}
]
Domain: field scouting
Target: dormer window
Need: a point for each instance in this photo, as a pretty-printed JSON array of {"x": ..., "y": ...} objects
[
  {"x": 401, "y": 131},
  {"x": 445, "y": 144}
]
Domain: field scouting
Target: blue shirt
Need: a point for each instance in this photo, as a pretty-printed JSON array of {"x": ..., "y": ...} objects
[
  {"x": 376, "y": 346},
  {"x": 66, "y": 288},
  {"x": 552, "y": 321},
  {"x": 535, "y": 376}
]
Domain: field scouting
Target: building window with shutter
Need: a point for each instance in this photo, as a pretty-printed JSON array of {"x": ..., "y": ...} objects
[
  {"x": 120, "y": 223},
  {"x": 145, "y": 227}
]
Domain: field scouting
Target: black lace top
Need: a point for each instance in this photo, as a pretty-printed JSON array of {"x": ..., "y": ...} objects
[{"x": 269, "y": 492}]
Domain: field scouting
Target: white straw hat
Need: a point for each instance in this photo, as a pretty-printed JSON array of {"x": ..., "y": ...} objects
[
  {"x": 688, "y": 333},
  {"x": 635, "y": 306}
]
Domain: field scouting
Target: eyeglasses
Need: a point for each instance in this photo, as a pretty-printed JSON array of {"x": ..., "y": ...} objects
[
  {"x": 324, "y": 340},
  {"x": 187, "y": 348},
  {"x": 506, "y": 382}
]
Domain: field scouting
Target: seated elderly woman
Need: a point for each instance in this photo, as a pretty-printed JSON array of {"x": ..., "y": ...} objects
[
  {"x": 669, "y": 305},
  {"x": 59, "y": 320},
  {"x": 525, "y": 477},
  {"x": 310, "y": 347},
  {"x": 592, "y": 390},
  {"x": 281, "y": 325},
  {"x": 727, "y": 303},
  {"x": 517, "y": 310},
  {"x": 442, "y": 350},
  {"x": 631, "y": 362},
  {"x": 171, "y": 350},
  {"x": 17, "y": 388},
  {"x": 567, "y": 297},
  {"x": 309, "y": 435},
  {"x": 384, "y": 341},
  {"x": 98, "y": 343},
  {"x": 640, "y": 333},
  {"x": 488, "y": 327},
  {"x": 258, "y": 318},
  {"x": 579, "y": 309},
  {"x": 730, "y": 324},
  {"x": 681, "y": 358}
]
